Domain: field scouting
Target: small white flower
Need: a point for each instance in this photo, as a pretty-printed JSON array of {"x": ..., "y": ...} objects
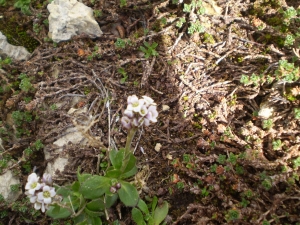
[
  {"x": 148, "y": 101},
  {"x": 40, "y": 205},
  {"x": 152, "y": 114},
  {"x": 32, "y": 198},
  {"x": 131, "y": 99},
  {"x": 135, "y": 104},
  {"x": 126, "y": 122},
  {"x": 143, "y": 111},
  {"x": 46, "y": 195},
  {"x": 32, "y": 184}
]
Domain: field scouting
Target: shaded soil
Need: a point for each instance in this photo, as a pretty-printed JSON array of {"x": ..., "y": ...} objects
[{"x": 217, "y": 163}]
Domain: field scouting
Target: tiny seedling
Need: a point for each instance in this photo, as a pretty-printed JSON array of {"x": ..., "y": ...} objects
[
  {"x": 120, "y": 43},
  {"x": 124, "y": 74},
  {"x": 149, "y": 50}
]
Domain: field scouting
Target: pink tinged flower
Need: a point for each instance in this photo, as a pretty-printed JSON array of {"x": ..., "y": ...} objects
[
  {"x": 126, "y": 122},
  {"x": 138, "y": 121},
  {"x": 47, "y": 179},
  {"x": 128, "y": 113},
  {"x": 46, "y": 195},
  {"x": 148, "y": 101},
  {"x": 131, "y": 99},
  {"x": 32, "y": 184},
  {"x": 152, "y": 114},
  {"x": 146, "y": 122},
  {"x": 143, "y": 111}
]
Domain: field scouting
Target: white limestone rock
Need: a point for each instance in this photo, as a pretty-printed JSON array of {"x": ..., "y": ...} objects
[
  {"x": 6, "y": 180},
  {"x": 68, "y": 18},
  {"x": 14, "y": 52}
]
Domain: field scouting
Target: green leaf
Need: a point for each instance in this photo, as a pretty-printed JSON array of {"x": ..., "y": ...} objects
[
  {"x": 93, "y": 213},
  {"x": 95, "y": 186},
  {"x": 82, "y": 177},
  {"x": 76, "y": 186},
  {"x": 96, "y": 205},
  {"x": 160, "y": 213},
  {"x": 147, "y": 44},
  {"x": 143, "y": 49},
  {"x": 113, "y": 173},
  {"x": 154, "y": 203},
  {"x": 143, "y": 206},
  {"x": 63, "y": 191},
  {"x": 154, "y": 45},
  {"x": 58, "y": 212},
  {"x": 116, "y": 157},
  {"x": 129, "y": 173},
  {"x": 137, "y": 216},
  {"x": 110, "y": 200},
  {"x": 128, "y": 194}
]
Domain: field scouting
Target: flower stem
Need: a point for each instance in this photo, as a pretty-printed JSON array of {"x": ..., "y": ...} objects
[{"x": 130, "y": 138}]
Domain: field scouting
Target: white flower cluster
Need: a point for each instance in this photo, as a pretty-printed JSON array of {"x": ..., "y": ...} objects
[
  {"x": 139, "y": 112},
  {"x": 40, "y": 194}
]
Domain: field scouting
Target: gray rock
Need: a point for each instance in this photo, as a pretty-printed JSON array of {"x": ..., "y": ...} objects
[
  {"x": 68, "y": 18},
  {"x": 14, "y": 52},
  {"x": 6, "y": 180}
]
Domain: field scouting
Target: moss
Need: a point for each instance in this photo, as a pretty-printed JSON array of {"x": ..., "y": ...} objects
[{"x": 16, "y": 35}]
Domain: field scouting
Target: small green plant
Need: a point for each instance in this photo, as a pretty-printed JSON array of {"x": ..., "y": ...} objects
[
  {"x": 180, "y": 22},
  {"x": 120, "y": 43},
  {"x": 36, "y": 28},
  {"x": 149, "y": 50},
  {"x": 124, "y": 74},
  {"x": 196, "y": 27},
  {"x": 221, "y": 159},
  {"x": 232, "y": 215},
  {"x": 14, "y": 187},
  {"x": 23, "y": 5},
  {"x": 276, "y": 144},
  {"x": 94, "y": 54},
  {"x": 296, "y": 162},
  {"x": 287, "y": 72},
  {"x": 25, "y": 84},
  {"x": 5, "y": 61},
  {"x": 297, "y": 113},
  {"x": 155, "y": 216},
  {"x": 97, "y": 13},
  {"x": 123, "y": 3},
  {"x": 267, "y": 124}
]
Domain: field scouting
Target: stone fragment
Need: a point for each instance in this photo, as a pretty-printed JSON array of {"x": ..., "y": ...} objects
[
  {"x": 68, "y": 18},
  {"x": 14, "y": 52},
  {"x": 6, "y": 180},
  {"x": 157, "y": 147}
]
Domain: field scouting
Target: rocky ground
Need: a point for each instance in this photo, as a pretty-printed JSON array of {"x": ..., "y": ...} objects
[{"x": 223, "y": 151}]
